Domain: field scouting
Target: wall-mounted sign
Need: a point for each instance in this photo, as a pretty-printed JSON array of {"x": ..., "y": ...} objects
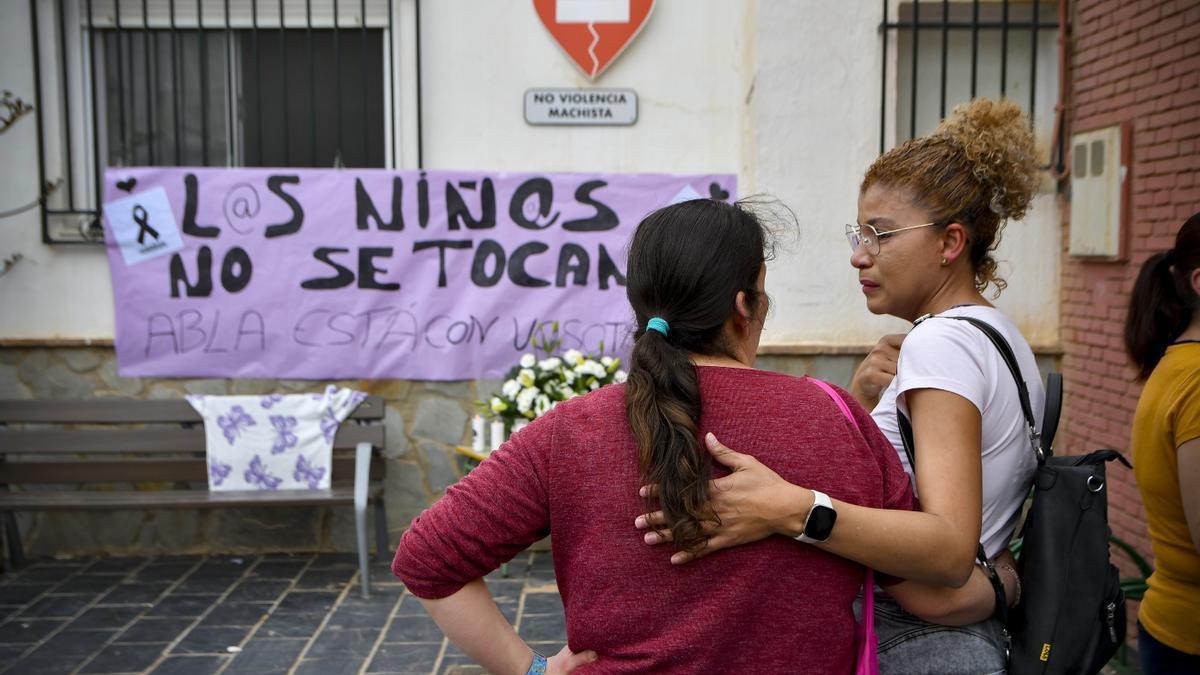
[
  {"x": 369, "y": 273},
  {"x": 616, "y": 107},
  {"x": 593, "y": 33}
]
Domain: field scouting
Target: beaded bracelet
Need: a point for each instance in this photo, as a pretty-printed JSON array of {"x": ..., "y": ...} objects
[
  {"x": 1017, "y": 579},
  {"x": 538, "y": 667}
]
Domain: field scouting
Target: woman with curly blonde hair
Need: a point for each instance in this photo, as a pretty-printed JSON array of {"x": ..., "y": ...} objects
[{"x": 930, "y": 213}]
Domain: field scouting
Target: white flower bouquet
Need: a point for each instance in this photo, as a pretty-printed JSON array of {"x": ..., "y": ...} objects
[{"x": 535, "y": 386}]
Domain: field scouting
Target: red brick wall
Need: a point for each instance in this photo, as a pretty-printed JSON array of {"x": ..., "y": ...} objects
[{"x": 1136, "y": 63}]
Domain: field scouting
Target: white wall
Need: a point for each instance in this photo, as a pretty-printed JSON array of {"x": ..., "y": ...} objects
[
  {"x": 785, "y": 94},
  {"x": 686, "y": 66},
  {"x": 815, "y": 122},
  {"x": 814, "y": 116},
  {"x": 53, "y": 292}
]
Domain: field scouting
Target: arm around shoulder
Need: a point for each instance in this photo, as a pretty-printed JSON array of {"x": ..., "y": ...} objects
[{"x": 947, "y": 429}]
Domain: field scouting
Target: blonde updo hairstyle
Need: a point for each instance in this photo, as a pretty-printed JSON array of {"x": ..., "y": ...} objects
[{"x": 978, "y": 168}]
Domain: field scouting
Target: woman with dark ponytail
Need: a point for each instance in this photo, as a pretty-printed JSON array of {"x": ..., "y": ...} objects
[
  {"x": 1162, "y": 335},
  {"x": 662, "y": 393},
  {"x": 695, "y": 280}
]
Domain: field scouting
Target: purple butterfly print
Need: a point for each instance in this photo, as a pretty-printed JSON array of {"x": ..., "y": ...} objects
[
  {"x": 355, "y": 399},
  {"x": 267, "y": 401},
  {"x": 284, "y": 438},
  {"x": 308, "y": 472},
  {"x": 329, "y": 425},
  {"x": 257, "y": 475},
  {"x": 233, "y": 423},
  {"x": 218, "y": 472},
  {"x": 330, "y": 390}
]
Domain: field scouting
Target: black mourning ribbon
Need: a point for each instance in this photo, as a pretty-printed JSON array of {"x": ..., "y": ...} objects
[{"x": 139, "y": 217}]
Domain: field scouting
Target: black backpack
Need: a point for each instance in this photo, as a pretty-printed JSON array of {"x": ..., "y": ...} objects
[{"x": 1071, "y": 618}]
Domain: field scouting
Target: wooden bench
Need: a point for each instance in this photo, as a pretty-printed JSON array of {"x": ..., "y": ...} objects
[{"x": 116, "y": 446}]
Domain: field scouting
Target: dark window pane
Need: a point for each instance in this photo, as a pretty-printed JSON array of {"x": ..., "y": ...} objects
[
  {"x": 159, "y": 113},
  {"x": 147, "y": 106},
  {"x": 286, "y": 133}
]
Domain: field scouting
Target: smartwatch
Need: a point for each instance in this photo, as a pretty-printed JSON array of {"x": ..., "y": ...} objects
[{"x": 821, "y": 517}]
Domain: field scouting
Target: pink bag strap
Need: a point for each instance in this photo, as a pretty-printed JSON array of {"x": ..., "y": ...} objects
[
  {"x": 841, "y": 404},
  {"x": 867, "y": 663}
]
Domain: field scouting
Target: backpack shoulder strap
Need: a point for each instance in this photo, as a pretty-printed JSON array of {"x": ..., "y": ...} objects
[
  {"x": 1052, "y": 411},
  {"x": 1010, "y": 360},
  {"x": 906, "y": 439}
]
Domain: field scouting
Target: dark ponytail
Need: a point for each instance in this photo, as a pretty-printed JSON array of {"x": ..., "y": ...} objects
[
  {"x": 687, "y": 263},
  {"x": 1163, "y": 302}
]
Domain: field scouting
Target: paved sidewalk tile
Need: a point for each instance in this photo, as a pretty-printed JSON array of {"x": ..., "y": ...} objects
[
  {"x": 155, "y": 629},
  {"x": 293, "y": 614},
  {"x": 405, "y": 658},
  {"x": 211, "y": 640},
  {"x": 262, "y": 656},
  {"x": 27, "y": 631},
  {"x": 190, "y": 665},
  {"x": 119, "y": 658}
]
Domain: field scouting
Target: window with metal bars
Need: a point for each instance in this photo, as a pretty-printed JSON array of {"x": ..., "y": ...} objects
[
  {"x": 940, "y": 53},
  {"x": 297, "y": 83}
]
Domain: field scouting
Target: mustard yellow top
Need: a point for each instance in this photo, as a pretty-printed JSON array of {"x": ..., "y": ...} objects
[{"x": 1168, "y": 415}]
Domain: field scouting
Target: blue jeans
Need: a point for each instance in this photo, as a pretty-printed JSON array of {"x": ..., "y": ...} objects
[
  {"x": 909, "y": 645},
  {"x": 1159, "y": 659}
]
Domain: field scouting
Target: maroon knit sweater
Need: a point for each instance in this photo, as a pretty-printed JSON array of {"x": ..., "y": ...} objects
[{"x": 775, "y": 605}]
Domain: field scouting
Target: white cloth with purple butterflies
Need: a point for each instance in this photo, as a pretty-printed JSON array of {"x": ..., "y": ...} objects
[{"x": 274, "y": 442}]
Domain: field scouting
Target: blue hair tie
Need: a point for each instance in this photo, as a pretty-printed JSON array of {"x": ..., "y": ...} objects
[{"x": 659, "y": 324}]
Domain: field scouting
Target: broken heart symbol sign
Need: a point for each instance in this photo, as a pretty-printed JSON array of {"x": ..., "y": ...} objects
[{"x": 593, "y": 33}]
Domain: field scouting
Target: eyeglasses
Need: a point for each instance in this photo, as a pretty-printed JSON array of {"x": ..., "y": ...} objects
[{"x": 870, "y": 238}]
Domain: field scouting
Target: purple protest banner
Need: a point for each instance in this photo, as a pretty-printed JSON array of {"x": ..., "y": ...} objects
[{"x": 348, "y": 274}]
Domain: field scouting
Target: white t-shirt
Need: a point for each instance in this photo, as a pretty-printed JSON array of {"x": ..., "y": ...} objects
[
  {"x": 273, "y": 442},
  {"x": 957, "y": 357}
]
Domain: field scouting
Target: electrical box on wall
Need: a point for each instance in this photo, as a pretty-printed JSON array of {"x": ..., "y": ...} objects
[{"x": 1099, "y": 195}]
